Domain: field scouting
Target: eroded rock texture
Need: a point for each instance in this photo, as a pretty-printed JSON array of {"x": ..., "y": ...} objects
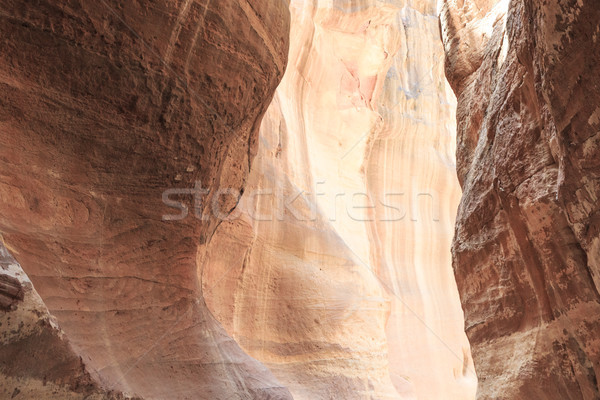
[
  {"x": 342, "y": 302},
  {"x": 527, "y": 248},
  {"x": 104, "y": 105},
  {"x": 37, "y": 360}
]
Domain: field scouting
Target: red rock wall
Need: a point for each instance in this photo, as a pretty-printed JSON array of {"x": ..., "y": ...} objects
[
  {"x": 526, "y": 250},
  {"x": 103, "y": 106},
  {"x": 36, "y": 359}
]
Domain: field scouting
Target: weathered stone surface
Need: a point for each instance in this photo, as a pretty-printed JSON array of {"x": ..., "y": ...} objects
[
  {"x": 103, "y": 106},
  {"x": 37, "y": 360},
  {"x": 342, "y": 302},
  {"x": 526, "y": 252}
]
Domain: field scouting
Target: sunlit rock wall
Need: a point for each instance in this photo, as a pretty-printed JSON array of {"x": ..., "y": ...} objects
[{"x": 336, "y": 269}]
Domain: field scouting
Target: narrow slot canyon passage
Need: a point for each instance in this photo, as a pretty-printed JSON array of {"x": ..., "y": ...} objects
[
  {"x": 300, "y": 199},
  {"x": 340, "y": 276}
]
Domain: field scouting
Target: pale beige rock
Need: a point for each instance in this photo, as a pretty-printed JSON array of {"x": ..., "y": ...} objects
[{"x": 347, "y": 304}]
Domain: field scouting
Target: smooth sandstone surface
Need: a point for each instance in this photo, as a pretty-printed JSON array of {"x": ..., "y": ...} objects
[
  {"x": 526, "y": 252},
  {"x": 334, "y": 269},
  {"x": 37, "y": 360},
  {"x": 103, "y": 106},
  {"x": 339, "y": 300}
]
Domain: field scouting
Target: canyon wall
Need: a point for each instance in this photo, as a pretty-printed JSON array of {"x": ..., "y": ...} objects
[
  {"x": 37, "y": 360},
  {"x": 103, "y": 106},
  {"x": 335, "y": 268},
  {"x": 526, "y": 251}
]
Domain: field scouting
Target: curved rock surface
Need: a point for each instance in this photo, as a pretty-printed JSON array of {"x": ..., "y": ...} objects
[
  {"x": 37, "y": 360},
  {"x": 338, "y": 300},
  {"x": 526, "y": 252},
  {"x": 103, "y": 106}
]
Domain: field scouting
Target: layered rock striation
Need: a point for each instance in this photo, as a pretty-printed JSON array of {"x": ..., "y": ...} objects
[
  {"x": 526, "y": 249},
  {"x": 38, "y": 362},
  {"x": 338, "y": 269},
  {"x": 105, "y": 105}
]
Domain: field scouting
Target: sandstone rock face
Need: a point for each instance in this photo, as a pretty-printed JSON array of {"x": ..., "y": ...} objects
[
  {"x": 103, "y": 106},
  {"x": 38, "y": 361},
  {"x": 339, "y": 301},
  {"x": 526, "y": 252}
]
